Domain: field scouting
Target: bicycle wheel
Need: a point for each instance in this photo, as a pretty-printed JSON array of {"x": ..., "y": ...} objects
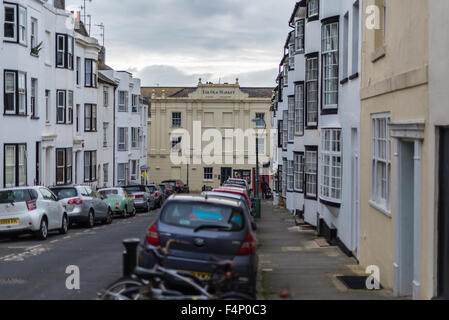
[
  {"x": 234, "y": 296},
  {"x": 123, "y": 289}
]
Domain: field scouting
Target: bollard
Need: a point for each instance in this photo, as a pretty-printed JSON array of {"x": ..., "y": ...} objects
[{"x": 130, "y": 256}]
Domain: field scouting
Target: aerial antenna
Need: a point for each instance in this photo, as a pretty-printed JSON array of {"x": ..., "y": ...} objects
[{"x": 101, "y": 26}]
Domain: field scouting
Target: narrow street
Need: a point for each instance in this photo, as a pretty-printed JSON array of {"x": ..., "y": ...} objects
[
  {"x": 35, "y": 270},
  {"x": 290, "y": 257}
]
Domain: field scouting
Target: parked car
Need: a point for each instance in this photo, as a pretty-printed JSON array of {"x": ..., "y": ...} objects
[
  {"x": 178, "y": 185},
  {"x": 236, "y": 190},
  {"x": 167, "y": 189},
  {"x": 212, "y": 228},
  {"x": 142, "y": 197},
  {"x": 84, "y": 205},
  {"x": 241, "y": 182},
  {"x": 119, "y": 201},
  {"x": 34, "y": 210},
  {"x": 209, "y": 194},
  {"x": 158, "y": 194}
]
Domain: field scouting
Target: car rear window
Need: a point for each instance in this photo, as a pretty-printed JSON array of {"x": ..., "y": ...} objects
[
  {"x": 134, "y": 189},
  {"x": 152, "y": 189},
  {"x": 196, "y": 214},
  {"x": 10, "y": 196},
  {"x": 109, "y": 193},
  {"x": 65, "y": 193}
]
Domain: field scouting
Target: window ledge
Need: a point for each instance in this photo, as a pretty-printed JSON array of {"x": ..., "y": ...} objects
[
  {"x": 354, "y": 76},
  {"x": 380, "y": 208},
  {"x": 345, "y": 80},
  {"x": 378, "y": 54},
  {"x": 34, "y": 118},
  {"x": 331, "y": 203}
]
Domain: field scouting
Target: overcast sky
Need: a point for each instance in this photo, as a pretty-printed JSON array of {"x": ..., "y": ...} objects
[{"x": 175, "y": 42}]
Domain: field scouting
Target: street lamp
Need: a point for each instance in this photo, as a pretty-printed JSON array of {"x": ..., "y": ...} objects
[{"x": 256, "y": 191}]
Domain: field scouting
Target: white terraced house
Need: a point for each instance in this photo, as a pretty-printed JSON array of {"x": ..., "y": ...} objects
[
  {"x": 316, "y": 110},
  {"x": 51, "y": 120},
  {"x": 131, "y": 127}
]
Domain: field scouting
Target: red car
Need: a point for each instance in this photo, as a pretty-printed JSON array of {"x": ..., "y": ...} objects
[{"x": 235, "y": 190}]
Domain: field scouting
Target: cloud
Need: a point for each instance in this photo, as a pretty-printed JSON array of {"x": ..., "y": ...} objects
[{"x": 195, "y": 37}]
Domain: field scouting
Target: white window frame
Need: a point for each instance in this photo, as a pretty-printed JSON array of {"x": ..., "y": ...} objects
[
  {"x": 176, "y": 144},
  {"x": 285, "y": 131},
  {"x": 299, "y": 35},
  {"x": 291, "y": 118},
  {"x": 105, "y": 173},
  {"x": 34, "y": 33},
  {"x": 60, "y": 107},
  {"x": 299, "y": 172},
  {"x": 70, "y": 106},
  {"x": 22, "y": 92},
  {"x": 47, "y": 106},
  {"x": 331, "y": 165},
  {"x": 15, "y": 37},
  {"x": 381, "y": 157},
  {"x": 312, "y": 91},
  {"x": 60, "y": 51},
  {"x": 208, "y": 174},
  {"x": 290, "y": 175},
  {"x": 122, "y": 145},
  {"x": 23, "y": 26},
  {"x": 311, "y": 173},
  {"x": 299, "y": 109},
  {"x": 291, "y": 54},
  {"x": 13, "y": 92},
  {"x": 122, "y": 173},
  {"x": 105, "y": 134},
  {"x": 313, "y": 10},
  {"x": 34, "y": 98},
  {"x": 260, "y": 124},
  {"x": 18, "y": 166},
  {"x": 123, "y": 101},
  {"x": 134, "y": 138},
  {"x": 284, "y": 178},
  {"x": 70, "y": 46},
  {"x": 330, "y": 64},
  {"x": 261, "y": 141},
  {"x": 106, "y": 97}
]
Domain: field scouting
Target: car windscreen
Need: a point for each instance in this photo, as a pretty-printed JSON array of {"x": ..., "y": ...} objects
[
  {"x": 162, "y": 187},
  {"x": 198, "y": 214},
  {"x": 109, "y": 193},
  {"x": 11, "y": 196},
  {"x": 65, "y": 193},
  {"x": 135, "y": 189},
  {"x": 153, "y": 189}
]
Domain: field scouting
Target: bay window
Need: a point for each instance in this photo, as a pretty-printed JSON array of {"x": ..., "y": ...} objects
[
  {"x": 299, "y": 109},
  {"x": 331, "y": 165},
  {"x": 329, "y": 49},
  {"x": 90, "y": 118},
  {"x": 61, "y": 106},
  {"x": 313, "y": 9},
  {"x": 299, "y": 35},
  {"x": 14, "y": 165},
  {"x": 310, "y": 172},
  {"x": 312, "y": 91},
  {"x": 299, "y": 172},
  {"x": 90, "y": 73},
  {"x": 291, "y": 118}
]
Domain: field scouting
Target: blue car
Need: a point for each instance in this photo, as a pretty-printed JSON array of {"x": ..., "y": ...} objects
[{"x": 213, "y": 228}]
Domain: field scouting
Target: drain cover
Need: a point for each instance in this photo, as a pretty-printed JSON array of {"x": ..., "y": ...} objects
[{"x": 354, "y": 282}]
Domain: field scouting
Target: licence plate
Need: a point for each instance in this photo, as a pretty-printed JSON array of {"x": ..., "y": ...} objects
[
  {"x": 9, "y": 221},
  {"x": 201, "y": 275}
]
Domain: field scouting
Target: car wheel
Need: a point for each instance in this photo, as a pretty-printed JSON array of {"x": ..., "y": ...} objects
[
  {"x": 108, "y": 217},
  {"x": 90, "y": 219},
  {"x": 134, "y": 212},
  {"x": 64, "y": 225},
  {"x": 42, "y": 233}
]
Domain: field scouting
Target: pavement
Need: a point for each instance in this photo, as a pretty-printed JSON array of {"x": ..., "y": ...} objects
[
  {"x": 294, "y": 263},
  {"x": 31, "y": 269}
]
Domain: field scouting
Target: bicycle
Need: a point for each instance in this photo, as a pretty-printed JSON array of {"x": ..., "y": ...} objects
[{"x": 150, "y": 284}]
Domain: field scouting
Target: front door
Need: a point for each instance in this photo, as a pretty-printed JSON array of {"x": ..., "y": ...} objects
[
  {"x": 443, "y": 217},
  {"x": 226, "y": 173}
]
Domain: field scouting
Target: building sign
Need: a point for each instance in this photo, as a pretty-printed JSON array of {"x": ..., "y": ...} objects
[{"x": 218, "y": 93}]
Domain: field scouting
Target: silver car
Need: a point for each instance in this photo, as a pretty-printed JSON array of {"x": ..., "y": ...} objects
[
  {"x": 33, "y": 210},
  {"x": 84, "y": 205},
  {"x": 142, "y": 196}
]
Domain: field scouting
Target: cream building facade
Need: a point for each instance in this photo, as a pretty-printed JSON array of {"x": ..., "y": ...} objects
[
  {"x": 190, "y": 120},
  {"x": 404, "y": 226}
]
